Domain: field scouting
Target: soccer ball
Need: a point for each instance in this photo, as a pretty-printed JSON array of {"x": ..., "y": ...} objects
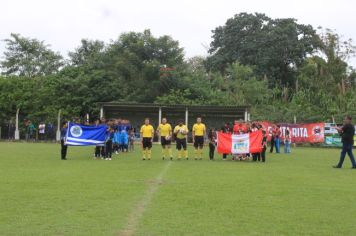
[
  {"x": 181, "y": 131},
  {"x": 168, "y": 137}
]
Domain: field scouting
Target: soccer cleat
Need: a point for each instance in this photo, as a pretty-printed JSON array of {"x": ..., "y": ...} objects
[
  {"x": 187, "y": 158},
  {"x": 162, "y": 158},
  {"x": 195, "y": 158},
  {"x": 171, "y": 158},
  {"x": 337, "y": 167},
  {"x": 353, "y": 167},
  {"x": 143, "y": 158}
]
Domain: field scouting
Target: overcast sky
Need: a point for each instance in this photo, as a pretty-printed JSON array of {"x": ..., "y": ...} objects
[{"x": 63, "y": 23}]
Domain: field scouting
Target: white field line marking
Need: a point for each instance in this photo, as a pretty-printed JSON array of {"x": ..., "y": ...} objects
[{"x": 136, "y": 214}]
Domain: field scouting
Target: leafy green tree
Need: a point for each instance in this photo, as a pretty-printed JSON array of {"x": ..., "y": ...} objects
[
  {"x": 29, "y": 57},
  {"x": 90, "y": 53},
  {"x": 275, "y": 47}
]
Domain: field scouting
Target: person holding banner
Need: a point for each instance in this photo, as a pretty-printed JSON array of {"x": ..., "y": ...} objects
[
  {"x": 165, "y": 131},
  {"x": 147, "y": 133},
  {"x": 264, "y": 146},
  {"x": 347, "y": 132},
  {"x": 64, "y": 147},
  {"x": 226, "y": 129},
  {"x": 198, "y": 132}
]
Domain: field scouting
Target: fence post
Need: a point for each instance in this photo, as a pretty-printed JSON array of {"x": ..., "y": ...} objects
[
  {"x": 58, "y": 133},
  {"x": 17, "y": 132}
]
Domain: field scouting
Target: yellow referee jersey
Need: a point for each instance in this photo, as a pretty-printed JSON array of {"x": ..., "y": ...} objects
[
  {"x": 179, "y": 131},
  {"x": 199, "y": 129},
  {"x": 164, "y": 129},
  {"x": 147, "y": 131}
]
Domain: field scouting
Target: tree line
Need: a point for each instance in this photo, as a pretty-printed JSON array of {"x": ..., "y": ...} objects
[{"x": 278, "y": 66}]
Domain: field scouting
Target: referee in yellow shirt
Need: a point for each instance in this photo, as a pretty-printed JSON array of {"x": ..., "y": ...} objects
[
  {"x": 165, "y": 131},
  {"x": 199, "y": 131},
  {"x": 181, "y": 132},
  {"x": 147, "y": 132}
]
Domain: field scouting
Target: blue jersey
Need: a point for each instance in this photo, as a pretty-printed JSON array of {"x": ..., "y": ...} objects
[
  {"x": 124, "y": 137},
  {"x": 63, "y": 133}
]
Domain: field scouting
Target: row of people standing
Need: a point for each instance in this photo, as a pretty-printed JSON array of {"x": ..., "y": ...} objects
[
  {"x": 240, "y": 127},
  {"x": 275, "y": 133},
  {"x": 180, "y": 132},
  {"x": 119, "y": 138}
]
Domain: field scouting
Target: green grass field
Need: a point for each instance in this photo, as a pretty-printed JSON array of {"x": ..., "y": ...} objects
[{"x": 297, "y": 194}]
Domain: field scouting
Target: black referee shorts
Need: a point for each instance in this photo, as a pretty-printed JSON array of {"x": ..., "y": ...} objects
[
  {"x": 181, "y": 143},
  {"x": 199, "y": 141},
  {"x": 147, "y": 143},
  {"x": 164, "y": 141}
]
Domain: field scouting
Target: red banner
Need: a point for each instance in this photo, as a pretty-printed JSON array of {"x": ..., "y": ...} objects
[
  {"x": 240, "y": 143},
  {"x": 300, "y": 133}
]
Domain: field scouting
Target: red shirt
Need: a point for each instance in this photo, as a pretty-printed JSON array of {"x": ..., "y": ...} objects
[{"x": 236, "y": 128}]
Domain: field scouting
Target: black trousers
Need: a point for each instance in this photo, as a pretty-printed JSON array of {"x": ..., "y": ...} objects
[
  {"x": 108, "y": 149},
  {"x": 97, "y": 151},
  {"x": 63, "y": 150},
  {"x": 211, "y": 151},
  {"x": 102, "y": 151},
  {"x": 272, "y": 145},
  {"x": 263, "y": 154}
]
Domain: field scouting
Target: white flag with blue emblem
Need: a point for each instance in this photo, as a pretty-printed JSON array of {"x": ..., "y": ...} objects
[{"x": 85, "y": 135}]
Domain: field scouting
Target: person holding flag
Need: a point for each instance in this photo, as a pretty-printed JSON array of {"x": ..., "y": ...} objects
[
  {"x": 198, "y": 132},
  {"x": 165, "y": 131},
  {"x": 147, "y": 133},
  {"x": 64, "y": 147},
  {"x": 181, "y": 132}
]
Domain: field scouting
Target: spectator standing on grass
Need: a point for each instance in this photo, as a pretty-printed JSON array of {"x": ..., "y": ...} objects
[
  {"x": 277, "y": 139},
  {"x": 131, "y": 140},
  {"x": 273, "y": 133},
  {"x": 287, "y": 141},
  {"x": 30, "y": 131},
  {"x": 50, "y": 131},
  {"x": 64, "y": 147},
  {"x": 11, "y": 130},
  {"x": 41, "y": 131},
  {"x": 347, "y": 132}
]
